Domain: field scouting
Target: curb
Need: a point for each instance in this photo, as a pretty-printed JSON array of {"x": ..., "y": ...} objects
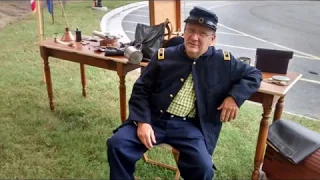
[
  {"x": 103, "y": 9},
  {"x": 106, "y": 17}
]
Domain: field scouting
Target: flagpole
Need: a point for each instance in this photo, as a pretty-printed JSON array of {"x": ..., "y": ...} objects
[
  {"x": 40, "y": 31},
  {"x": 52, "y": 13},
  {"x": 40, "y": 22}
]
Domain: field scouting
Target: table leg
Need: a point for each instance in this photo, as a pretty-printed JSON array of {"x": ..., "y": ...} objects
[
  {"x": 122, "y": 89},
  {"x": 279, "y": 109},
  {"x": 43, "y": 73},
  {"x": 263, "y": 134},
  {"x": 48, "y": 81},
  {"x": 83, "y": 79}
]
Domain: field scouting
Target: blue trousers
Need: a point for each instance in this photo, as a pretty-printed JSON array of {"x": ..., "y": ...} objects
[{"x": 124, "y": 149}]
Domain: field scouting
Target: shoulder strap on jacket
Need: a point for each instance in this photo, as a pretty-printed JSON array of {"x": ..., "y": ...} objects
[
  {"x": 226, "y": 55},
  {"x": 161, "y": 54}
]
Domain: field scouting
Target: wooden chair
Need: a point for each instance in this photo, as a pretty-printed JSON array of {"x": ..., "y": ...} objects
[{"x": 175, "y": 154}]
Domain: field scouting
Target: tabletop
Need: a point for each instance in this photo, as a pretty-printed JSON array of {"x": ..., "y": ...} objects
[{"x": 86, "y": 50}]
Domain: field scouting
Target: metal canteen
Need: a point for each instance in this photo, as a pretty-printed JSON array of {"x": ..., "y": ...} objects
[
  {"x": 246, "y": 60},
  {"x": 133, "y": 54}
]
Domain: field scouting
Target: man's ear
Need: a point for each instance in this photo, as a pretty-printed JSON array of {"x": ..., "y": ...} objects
[
  {"x": 214, "y": 36},
  {"x": 213, "y": 39}
]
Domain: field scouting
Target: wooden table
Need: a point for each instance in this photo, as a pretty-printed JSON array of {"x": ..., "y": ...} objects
[
  {"x": 269, "y": 95},
  {"x": 86, "y": 55}
]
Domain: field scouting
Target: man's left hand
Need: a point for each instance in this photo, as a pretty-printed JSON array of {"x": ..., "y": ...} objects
[{"x": 229, "y": 110}]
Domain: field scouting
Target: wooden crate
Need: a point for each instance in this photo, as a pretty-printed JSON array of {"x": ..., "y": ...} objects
[{"x": 277, "y": 166}]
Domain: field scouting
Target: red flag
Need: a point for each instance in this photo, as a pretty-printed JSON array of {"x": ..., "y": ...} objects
[{"x": 33, "y": 5}]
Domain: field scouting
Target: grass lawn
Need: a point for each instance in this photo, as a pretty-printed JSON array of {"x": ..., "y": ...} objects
[{"x": 69, "y": 142}]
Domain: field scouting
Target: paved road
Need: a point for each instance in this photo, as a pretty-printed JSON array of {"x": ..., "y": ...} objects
[{"x": 245, "y": 26}]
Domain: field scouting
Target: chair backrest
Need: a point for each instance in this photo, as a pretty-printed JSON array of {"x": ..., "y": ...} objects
[{"x": 169, "y": 29}]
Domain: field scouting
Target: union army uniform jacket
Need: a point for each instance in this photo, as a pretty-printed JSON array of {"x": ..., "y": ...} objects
[{"x": 216, "y": 74}]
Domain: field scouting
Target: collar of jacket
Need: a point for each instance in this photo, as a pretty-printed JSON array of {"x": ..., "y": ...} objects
[{"x": 209, "y": 52}]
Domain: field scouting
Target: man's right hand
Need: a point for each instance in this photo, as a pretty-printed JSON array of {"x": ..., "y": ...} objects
[{"x": 145, "y": 134}]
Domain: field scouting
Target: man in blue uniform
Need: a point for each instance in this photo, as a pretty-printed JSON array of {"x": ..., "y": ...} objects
[{"x": 182, "y": 98}]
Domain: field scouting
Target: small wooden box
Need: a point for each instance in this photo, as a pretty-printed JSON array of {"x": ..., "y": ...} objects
[{"x": 277, "y": 166}]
